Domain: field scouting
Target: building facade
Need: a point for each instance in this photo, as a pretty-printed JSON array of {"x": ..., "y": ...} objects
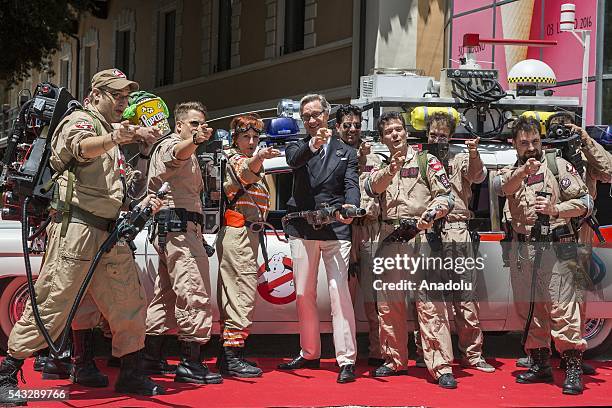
[{"x": 245, "y": 55}]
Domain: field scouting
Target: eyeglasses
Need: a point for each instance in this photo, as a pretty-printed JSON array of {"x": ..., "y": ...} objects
[
  {"x": 314, "y": 115},
  {"x": 117, "y": 96},
  {"x": 244, "y": 129},
  {"x": 197, "y": 123},
  {"x": 347, "y": 126}
]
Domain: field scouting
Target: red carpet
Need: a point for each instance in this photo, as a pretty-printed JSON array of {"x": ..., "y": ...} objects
[{"x": 319, "y": 388}]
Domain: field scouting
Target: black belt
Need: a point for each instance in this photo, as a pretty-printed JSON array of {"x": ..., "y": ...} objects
[
  {"x": 80, "y": 216},
  {"x": 557, "y": 235},
  {"x": 179, "y": 214}
]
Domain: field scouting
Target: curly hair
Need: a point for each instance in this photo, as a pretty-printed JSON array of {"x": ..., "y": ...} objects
[
  {"x": 345, "y": 110},
  {"x": 525, "y": 124},
  {"x": 444, "y": 119}
]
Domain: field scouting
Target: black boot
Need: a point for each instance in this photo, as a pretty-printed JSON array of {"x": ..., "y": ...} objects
[
  {"x": 221, "y": 356},
  {"x": 154, "y": 363},
  {"x": 57, "y": 368},
  {"x": 113, "y": 361},
  {"x": 540, "y": 371},
  {"x": 232, "y": 365},
  {"x": 573, "y": 372},
  {"x": 132, "y": 381},
  {"x": 8, "y": 382},
  {"x": 192, "y": 369},
  {"x": 40, "y": 359},
  {"x": 84, "y": 370},
  {"x": 587, "y": 369}
]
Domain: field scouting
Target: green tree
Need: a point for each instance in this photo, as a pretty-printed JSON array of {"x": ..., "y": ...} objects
[{"x": 30, "y": 30}]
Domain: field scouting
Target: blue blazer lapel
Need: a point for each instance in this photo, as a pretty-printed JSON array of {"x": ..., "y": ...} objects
[{"x": 335, "y": 151}]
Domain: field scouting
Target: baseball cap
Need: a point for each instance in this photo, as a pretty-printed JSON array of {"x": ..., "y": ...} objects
[{"x": 112, "y": 78}]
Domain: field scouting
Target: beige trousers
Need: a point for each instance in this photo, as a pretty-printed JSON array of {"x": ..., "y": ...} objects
[
  {"x": 306, "y": 255},
  {"x": 114, "y": 290},
  {"x": 181, "y": 300},
  {"x": 237, "y": 249}
]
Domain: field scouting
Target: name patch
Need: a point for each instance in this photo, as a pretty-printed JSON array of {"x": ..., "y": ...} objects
[
  {"x": 410, "y": 172},
  {"x": 535, "y": 179}
]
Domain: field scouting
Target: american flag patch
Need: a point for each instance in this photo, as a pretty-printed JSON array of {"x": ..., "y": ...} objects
[{"x": 84, "y": 125}]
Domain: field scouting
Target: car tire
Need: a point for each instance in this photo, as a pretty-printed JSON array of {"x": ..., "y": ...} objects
[
  {"x": 13, "y": 297},
  {"x": 598, "y": 334}
]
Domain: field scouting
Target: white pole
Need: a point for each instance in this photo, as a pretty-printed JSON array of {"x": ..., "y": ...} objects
[{"x": 586, "y": 43}]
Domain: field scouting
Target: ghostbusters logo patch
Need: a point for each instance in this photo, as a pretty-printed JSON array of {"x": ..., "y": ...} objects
[
  {"x": 535, "y": 179},
  {"x": 571, "y": 169},
  {"x": 83, "y": 125},
  {"x": 435, "y": 164},
  {"x": 565, "y": 183},
  {"x": 443, "y": 180},
  {"x": 118, "y": 73},
  {"x": 410, "y": 172}
]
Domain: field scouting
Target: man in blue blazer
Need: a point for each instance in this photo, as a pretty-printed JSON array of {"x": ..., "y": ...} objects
[{"x": 324, "y": 172}]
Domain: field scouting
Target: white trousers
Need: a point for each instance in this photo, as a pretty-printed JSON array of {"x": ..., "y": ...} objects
[{"x": 306, "y": 255}]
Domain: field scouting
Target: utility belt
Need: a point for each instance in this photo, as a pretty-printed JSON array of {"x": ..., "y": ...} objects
[
  {"x": 564, "y": 238},
  {"x": 80, "y": 216},
  {"x": 561, "y": 234},
  {"x": 173, "y": 220},
  {"x": 467, "y": 224},
  {"x": 396, "y": 222}
]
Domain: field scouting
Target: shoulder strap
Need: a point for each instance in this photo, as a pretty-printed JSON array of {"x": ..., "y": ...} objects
[
  {"x": 422, "y": 160},
  {"x": 551, "y": 162}
]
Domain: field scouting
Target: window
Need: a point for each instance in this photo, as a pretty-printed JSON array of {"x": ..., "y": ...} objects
[
  {"x": 87, "y": 74},
  {"x": 122, "y": 52},
  {"x": 64, "y": 73},
  {"x": 294, "y": 26},
  {"x": 607, "y": 57},
  {"x": 224, "y": 48},
  {"x": 281, "y": 189},
  {"x": 167, "y": 48}
]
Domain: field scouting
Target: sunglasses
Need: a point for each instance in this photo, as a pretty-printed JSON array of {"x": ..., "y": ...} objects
[
  {"x": 196, "y": 123},
  {"x": 347, "y": 126},
  {"x": 314, "y": 115},
  {"x": 244, "y": 129}
]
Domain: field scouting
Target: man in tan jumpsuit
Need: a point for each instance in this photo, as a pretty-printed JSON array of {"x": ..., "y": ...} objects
[
  {"x": 404, "y": 194},
  {"x": 598, "y": 167},
  {"x": 557, "y": 280},
  {"x": 464, "y": 169},
  {"x": 363, "y": 230},
  {"x": 239, "y": 240},
  {"x": 86, "y": 145},
  {"x": 181, "y": 300}
]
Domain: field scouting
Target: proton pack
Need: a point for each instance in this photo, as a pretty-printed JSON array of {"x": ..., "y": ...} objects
[{"x": 26, "y": 171}]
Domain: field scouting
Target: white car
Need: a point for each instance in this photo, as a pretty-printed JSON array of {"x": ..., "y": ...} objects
[{"x": 275, "y": 310}]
